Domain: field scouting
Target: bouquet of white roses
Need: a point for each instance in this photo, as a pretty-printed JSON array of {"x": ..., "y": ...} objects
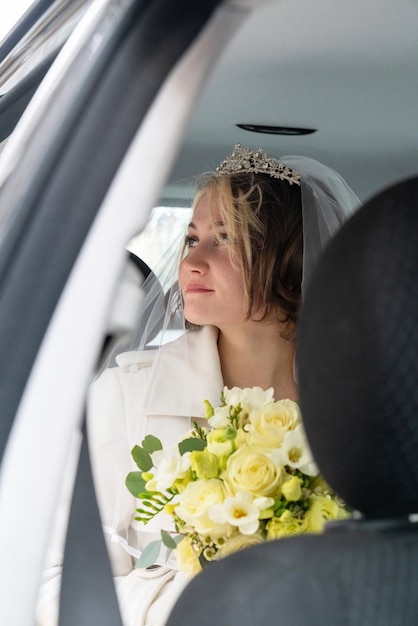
[{"x": 247, "y": 478}]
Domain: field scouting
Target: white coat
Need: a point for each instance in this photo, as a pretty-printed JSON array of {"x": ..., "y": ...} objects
[{"x": 158, "y": 392}]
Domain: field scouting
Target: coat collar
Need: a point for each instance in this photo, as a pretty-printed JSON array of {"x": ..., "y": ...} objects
[{"x": 185, "y": 372}]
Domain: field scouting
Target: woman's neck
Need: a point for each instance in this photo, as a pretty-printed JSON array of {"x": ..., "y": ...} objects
[{"x": 255, "y": 354}]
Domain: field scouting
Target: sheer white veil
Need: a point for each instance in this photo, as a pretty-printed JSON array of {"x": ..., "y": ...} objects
[
  {"x": 327, "y": 202},
  {"x": 160, "y": 318}
]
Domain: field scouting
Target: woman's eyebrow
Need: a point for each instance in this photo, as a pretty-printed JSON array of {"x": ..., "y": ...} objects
[{"x": 194, "y": 227}]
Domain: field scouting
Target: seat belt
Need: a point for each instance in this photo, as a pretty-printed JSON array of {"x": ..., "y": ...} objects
[{"x": 88, "y": 594}]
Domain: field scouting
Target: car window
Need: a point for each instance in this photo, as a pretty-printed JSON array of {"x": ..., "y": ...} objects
[{"x": 165, "y": 225}]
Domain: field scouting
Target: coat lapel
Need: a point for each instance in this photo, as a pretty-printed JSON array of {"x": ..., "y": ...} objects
[{"x": 184, "y": 373}]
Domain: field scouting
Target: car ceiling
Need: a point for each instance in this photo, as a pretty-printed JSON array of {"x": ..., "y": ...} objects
[{"x": 347, "y": 69}]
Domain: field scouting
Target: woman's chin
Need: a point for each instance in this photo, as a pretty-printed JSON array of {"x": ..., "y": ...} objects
[
  {"x": 195, "y": 317},
  {"x": 196, "y": 320}
]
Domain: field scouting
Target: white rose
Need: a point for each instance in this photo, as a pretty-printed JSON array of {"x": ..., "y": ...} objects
[
  {"x": 196, "y": 500},
  {"x": 251, "y": 469},
  {"x": 238, "y": 542},
  {"x": 269, "y": 425}
]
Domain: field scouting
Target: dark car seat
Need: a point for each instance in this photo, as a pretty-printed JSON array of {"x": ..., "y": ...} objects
[{"x": 358, "y": 376}]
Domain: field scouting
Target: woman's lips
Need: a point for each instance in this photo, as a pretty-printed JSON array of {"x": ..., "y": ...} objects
[{"x": 195, "y": 288}]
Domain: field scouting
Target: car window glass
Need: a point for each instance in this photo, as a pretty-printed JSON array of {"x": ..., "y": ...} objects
[{"x": 164, "y": 226}]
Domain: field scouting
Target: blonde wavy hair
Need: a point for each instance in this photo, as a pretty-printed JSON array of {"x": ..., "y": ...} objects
[{"x": 263, "y": 219}]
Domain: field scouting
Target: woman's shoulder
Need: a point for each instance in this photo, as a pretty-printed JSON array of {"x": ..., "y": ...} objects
[{"x": 134, "y": 360}]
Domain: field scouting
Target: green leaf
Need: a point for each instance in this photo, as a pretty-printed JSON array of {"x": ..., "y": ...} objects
[
  {"x": 142, "y": 458},
  {"x": 135, "y": 483},
  {"x": 151, "y": 444},
  {"x": 188, "y": 445},
  {"x": 230, "y": 433},
  {"x": 179, "y": 538},
  {"x": 173, "y": 541},
  {"x": 168, "y": 540},
  {"x": 149, "y": 554}
]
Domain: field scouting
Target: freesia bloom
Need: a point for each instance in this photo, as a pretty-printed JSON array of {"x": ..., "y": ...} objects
[
  {"x": 241, "y": 511},
  {"x": 219, "y": 418},
  {"x": 249, "y": 398},
  {"x": 196, "y": 500},
  {"x": 251, "y": 469},
  {"x": 170, "y": 466},
  {"x": 269, "y": 424},
  {"x": 295, "y": 452}
]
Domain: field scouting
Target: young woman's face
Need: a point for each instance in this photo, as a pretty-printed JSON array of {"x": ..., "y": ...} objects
[{"x": 212, "y": 286}]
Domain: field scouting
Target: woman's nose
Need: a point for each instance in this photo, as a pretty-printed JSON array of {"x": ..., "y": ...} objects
[{"x": 195, "y": 261}]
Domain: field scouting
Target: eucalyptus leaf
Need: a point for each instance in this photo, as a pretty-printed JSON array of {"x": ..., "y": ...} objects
[
  {"x": 188, "y": 445},
  {"x": 151, "y": 444},
  {"x": 149, "y": 554},
  {"x": 168, "y": 540},
  {"x": 168, "y": 554},
  {"x": 135, "y": 483},
  {"x": 173, "y": 544},
  {"x": 142, "y": 458},
  {"x": 179, "y": 538}
]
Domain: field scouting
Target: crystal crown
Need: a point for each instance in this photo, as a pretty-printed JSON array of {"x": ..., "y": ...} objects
[{"x": 244, "y": 160}]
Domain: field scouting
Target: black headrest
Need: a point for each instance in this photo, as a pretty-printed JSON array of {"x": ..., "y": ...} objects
[{"x": 358, "y": 356}]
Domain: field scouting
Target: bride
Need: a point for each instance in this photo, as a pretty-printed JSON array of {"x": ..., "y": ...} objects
[{"x": 257, "y": 227}]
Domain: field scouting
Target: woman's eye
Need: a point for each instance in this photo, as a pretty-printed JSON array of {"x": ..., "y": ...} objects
[
  {"x": 190, "y": 242},
  {"x": 222, "y": 239}
]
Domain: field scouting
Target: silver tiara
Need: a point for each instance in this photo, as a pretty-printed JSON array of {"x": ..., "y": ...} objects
[{"x": 243, "y": 160}]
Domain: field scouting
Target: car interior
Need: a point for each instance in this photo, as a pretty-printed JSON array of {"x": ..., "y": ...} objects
[{"x": 109, "y": 110}]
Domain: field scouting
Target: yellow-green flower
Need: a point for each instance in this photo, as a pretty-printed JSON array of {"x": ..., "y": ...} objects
[
  {"x": 187, "y": 558},
  {"x": 286, "y": 525},
  {"x": 204, "y": 464},
  {"x": 221, "y": 441},
  {"x": 322, "y": 510},
  {"x": 292, "y": 488}
]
